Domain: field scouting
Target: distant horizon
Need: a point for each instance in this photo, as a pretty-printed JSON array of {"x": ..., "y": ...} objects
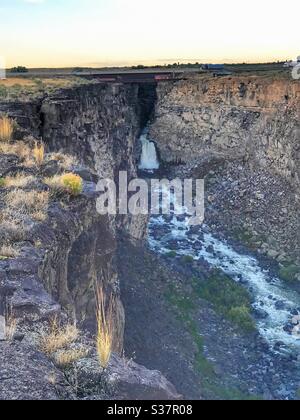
[{"x": 157, "y": 64}]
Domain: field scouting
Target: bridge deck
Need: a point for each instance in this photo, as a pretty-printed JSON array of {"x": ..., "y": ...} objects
[{"x": 115, "y": 76}]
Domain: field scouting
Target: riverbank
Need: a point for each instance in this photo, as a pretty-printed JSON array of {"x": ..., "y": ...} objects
[{"x": 203, "y": 354}]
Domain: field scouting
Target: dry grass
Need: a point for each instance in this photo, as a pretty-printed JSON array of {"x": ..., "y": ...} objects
[
  {"x": 6, "y": 129},
  {"x": 39, "y": 153},
  {"x": 39, "y": 216},
  {"x": 18, "y": 181},
  {"x": 33, "y": 203},
  {"x": 24, "y": 88},
  {"x": 10, "y": 230},
  {"x": 55, "y": 185},
  {"x": 11, "y": 326},
  {"x": 6, "y": 149},
  {"x": 12, "y": 81},
  {"x": 52, "y": 379},
  {"x": 8, "y": 251},
  {"x": 65, "y": 161},
  {"x": 104, "y": 338},
  {"x": 65, "y": 358},
  {"x": 20, "y": 149},
  {"x": 58, "y": 337}
]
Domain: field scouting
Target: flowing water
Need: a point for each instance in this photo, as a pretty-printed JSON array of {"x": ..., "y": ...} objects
[
  {"x": 271, "y": 297},
  {"x": 149, "y": 160},
  {"x": 276, "y": 304}
]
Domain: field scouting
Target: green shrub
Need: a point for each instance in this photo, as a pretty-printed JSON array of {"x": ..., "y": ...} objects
[
  {"x": 228, "y": 298},
  {"x": 2, "y": 182},
  {"x": 188, "y": 259},
  {"x": 241, "y": 316},
  {"x": 171, "y": 254},
  {"x": 185, "y": 306},
  {"x": 289, "y": 273},
  {"x": 73, "y": 183}
]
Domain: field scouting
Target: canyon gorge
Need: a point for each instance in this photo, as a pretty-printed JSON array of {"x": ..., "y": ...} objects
[{"x": 175, "y": 337}]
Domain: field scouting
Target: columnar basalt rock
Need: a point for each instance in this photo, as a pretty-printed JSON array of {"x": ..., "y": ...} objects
[{"x": 250, "y": 118}]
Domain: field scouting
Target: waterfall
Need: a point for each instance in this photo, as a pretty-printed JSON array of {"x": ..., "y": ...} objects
[{"x": 149, "y": 160}]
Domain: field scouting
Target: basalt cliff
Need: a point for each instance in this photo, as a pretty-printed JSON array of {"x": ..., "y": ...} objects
[
  {"x": 250, "y": 125},
  {"x": 254, "y": 119}
]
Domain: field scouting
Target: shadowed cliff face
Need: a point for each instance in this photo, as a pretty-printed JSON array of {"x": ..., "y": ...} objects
[
  {"x": 99, "y": 125},
  {"x": 255, "y": 119},
  {"x": 96, "y": 123}
]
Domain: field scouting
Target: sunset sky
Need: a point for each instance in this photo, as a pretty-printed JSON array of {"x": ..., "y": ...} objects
[{"x": 67, "y": 33}]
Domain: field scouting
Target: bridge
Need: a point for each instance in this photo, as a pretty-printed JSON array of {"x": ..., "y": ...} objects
[
  {"x": 149, "y": 75},
  {"x": 135, "y": 76}
]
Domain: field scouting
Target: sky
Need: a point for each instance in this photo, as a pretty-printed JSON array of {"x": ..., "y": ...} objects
[{"x": 94, "y": 33}]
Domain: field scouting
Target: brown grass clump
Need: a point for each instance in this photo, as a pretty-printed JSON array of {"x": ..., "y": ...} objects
[
  {"x": 11, "y": 231},
  {"x": 6, "y": 149},
  {"x": 20, "y": 149},
  {"x": 8, "y": 251},
  {"x": 39, "y": 153},
  {"x": 6, "y": 129},
  {"x": 55, "y": 185},
  {"x": 58, "y": 337},
  {"x": 18, "y": 181},
  {"x": 33, "y": 203},
  {"x": 104, "y": 337},
  {"x": 65, "y": 161},
  {"x": 11, "y": 325},
  {"x": 65, "y": 358},
  {"x": 12, "y": 81}
]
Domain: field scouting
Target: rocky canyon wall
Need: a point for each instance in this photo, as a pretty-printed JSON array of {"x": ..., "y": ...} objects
[
  {"x": 62, "y": 255},
  {"x": 98, "y": 124},
  {"x": 251, "y": 118}
]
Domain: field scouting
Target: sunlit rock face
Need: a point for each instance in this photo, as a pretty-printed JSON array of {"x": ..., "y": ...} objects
[{"x": 255, "y": 119}]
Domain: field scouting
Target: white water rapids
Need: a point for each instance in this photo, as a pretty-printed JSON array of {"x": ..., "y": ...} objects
[{"x": 271, "y": 296}]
